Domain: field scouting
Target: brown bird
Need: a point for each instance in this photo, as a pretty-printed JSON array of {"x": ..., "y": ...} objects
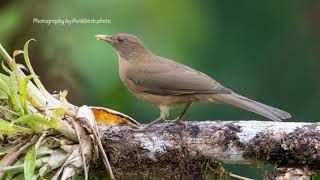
[{"x": 166, "y": 83}]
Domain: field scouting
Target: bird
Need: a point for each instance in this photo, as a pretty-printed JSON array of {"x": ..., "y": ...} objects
[{"x": 167, "y": 83}]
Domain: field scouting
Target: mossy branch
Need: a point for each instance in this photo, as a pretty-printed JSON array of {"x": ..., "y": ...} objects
[{"x": 178, "y": 151}]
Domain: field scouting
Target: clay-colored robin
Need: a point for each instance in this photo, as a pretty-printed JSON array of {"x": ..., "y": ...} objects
[{"x": 166, "y": 83}]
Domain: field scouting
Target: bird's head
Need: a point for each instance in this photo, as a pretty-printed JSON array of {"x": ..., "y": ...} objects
[{"x": 126, "y": 45}]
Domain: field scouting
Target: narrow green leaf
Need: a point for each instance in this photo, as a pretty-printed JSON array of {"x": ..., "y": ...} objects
[
  {"x": 5, "y": 68},
  {"x": 23, "y": 130},
  {"x": 9, "y": 128},
  {"x": 23, "y": 93},
  {"x": 9, "y": 175},
  {"x": 6, "y": 127},
  {"x": 30, "y": 164},
  {"x": 27, "y": 60},
  {"x": 4, "y": 86},
  {"x": 3, "y": 95},
  {"x": 6, "y": 56},
  {"x": 14, "y": 96},
  {"x": 37, "y": 122},
  {"x": 4, "y": 77},
  {"x": 8, "y": 111}
]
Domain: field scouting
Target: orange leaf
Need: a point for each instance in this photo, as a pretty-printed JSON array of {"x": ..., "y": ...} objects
[{"x": 111, "y": 117}]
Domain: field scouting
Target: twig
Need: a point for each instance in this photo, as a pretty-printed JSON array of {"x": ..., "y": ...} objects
[
  {"x": 85, "y": 116},
  {"x": 237, "y": 176},
  {"x": 81, "y": 150},
  {"x": 58, "y": 172},
  {"x": 104, "y": 156}
]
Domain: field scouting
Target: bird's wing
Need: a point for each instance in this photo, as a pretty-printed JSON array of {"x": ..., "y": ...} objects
[{"x": 166, "y": 77}]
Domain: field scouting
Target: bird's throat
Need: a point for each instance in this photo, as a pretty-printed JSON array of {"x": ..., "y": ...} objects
[{"x": 133, "y": 54}]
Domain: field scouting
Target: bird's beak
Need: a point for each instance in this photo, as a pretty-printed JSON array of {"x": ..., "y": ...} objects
[{"x": 106, "y": 38}]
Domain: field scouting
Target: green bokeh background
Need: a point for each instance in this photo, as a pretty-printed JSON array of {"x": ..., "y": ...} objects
[{"x": 266, "y": 50}]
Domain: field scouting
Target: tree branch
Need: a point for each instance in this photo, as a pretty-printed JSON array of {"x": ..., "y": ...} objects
[
  {"x": 289, "y": 173},
  {"x": 177, "y": 151}
]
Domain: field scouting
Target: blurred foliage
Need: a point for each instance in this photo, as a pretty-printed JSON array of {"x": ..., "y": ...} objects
[{"x": 266, "y": 50}]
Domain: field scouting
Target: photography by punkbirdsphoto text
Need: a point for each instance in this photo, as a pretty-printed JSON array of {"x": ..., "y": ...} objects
[{"x": 207, "y": 89}]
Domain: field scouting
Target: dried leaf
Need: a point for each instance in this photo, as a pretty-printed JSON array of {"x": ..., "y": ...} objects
[{"x": 109, "y": 117}]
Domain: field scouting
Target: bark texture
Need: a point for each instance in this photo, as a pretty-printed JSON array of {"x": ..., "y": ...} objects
[
  {"x": 173, "y": 150},
  {"x": 289, "y": 173}
]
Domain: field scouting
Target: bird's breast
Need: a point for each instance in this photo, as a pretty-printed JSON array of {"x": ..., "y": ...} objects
[{"x": 123, "y": 73}]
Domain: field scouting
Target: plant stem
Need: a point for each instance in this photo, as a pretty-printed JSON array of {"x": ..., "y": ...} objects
[{"x": 6, "y": 56}]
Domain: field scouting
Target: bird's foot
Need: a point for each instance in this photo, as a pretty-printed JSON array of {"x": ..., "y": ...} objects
[
  {"x": 180, "y": 122},
  {"x": 141, "y": 129},
  {"x": 146, "y": 127},
  {"x": 171, "y": 120},
  {"x": 177, "y": 121}
]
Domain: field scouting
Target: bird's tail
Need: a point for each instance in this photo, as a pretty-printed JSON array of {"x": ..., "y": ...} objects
[{"x": 251, "y": 105}]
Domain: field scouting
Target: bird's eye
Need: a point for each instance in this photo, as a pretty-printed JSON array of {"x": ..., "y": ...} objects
[{"x": 120, "y": 40}]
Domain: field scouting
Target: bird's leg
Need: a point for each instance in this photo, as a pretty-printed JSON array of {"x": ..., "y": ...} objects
[
  {"x": 164, "y": 113},
  {"x": 180, "y": 117},
  {"x": 151, "y": 124},
  {"x": 171, "y": 120}
]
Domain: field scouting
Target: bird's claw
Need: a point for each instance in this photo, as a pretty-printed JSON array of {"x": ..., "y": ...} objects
[
  {"x": 146, "y": 127},
  {"x": 180, "y": 122},
  {"x": 141, "y": 129},
  {"x": 171, "y": 120},
  {"x": 177, "y": 121}
]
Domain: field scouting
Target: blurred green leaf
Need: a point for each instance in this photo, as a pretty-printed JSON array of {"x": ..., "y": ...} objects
[
  {"x": 3, "y": 95},
  {"x": 6, "y": 127},
  {"x": 58, "y": 113},
  {"x": 9, "y": 175},
  {"x": 4, "y": 77},
  {"x": 4, "y": 86},
  {"x": 317, "y": 177},
  {"x": 30, "y": 164}
]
